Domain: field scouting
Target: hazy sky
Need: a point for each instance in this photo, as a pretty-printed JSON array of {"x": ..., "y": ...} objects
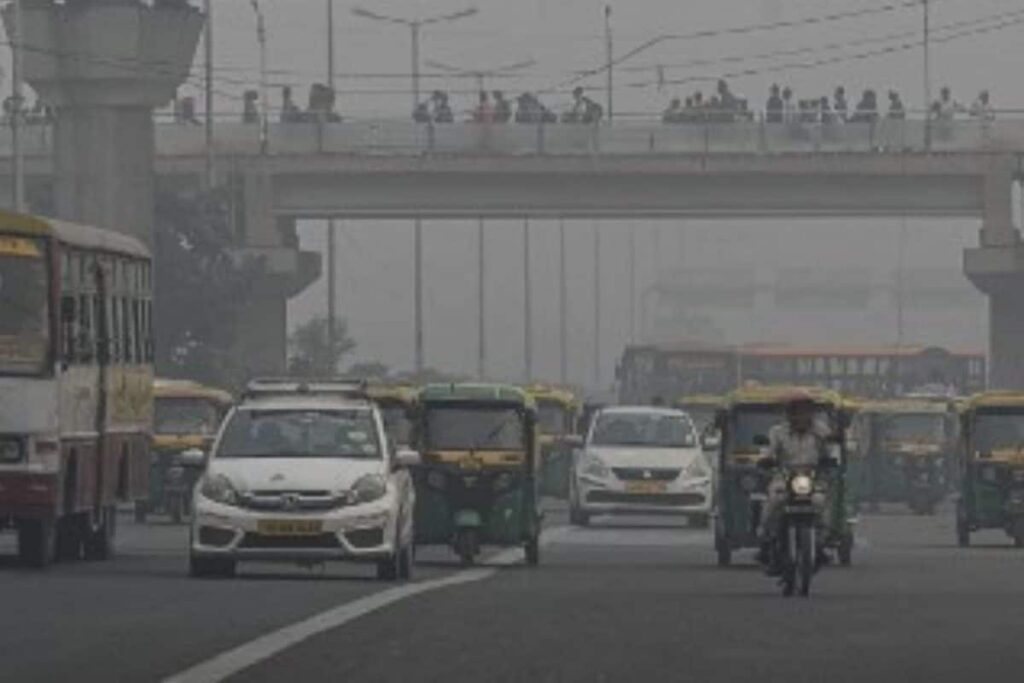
[{"x": 566, "y": 36}]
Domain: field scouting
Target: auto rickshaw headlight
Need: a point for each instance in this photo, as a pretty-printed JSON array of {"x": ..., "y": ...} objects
[
  {"x": 219, "y": 489},
  {"x": 801, "y": 485},
  {"x": 368, "y": 488}
]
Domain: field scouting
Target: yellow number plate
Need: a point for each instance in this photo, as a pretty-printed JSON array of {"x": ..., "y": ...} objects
[
  {"x": 289, "y": 527},
  {"x": 646, "y": 487}
]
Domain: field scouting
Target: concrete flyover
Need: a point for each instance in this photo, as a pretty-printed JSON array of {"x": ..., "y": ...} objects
[{"x": 389, "y": 169}]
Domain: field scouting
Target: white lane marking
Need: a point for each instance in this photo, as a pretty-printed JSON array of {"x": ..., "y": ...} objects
[{"x": 242, "y": 657}]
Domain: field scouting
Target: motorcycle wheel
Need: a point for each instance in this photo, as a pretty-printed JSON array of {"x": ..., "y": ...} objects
[
  {"x": 805, "y": 558},
  {"x": 963, "y": 531},
  {"x": 789, "y": 562}
]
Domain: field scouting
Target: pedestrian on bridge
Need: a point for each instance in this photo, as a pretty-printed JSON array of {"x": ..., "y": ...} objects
[{"x": 896, "y": 110}]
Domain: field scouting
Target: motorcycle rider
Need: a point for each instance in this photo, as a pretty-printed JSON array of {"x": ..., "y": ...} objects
[{"x": 801, "y": 441}]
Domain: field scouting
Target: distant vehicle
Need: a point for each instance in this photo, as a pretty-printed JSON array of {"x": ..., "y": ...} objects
[
  {"x": 186, "y": 418},
  {"x": 304, "y": 476},
  {"x": 641, "y": 460},
  {"x": 664, "y": 371},
  {"x": 558, "y": 412},
  {"x": 992, "y": 466},
  {"x": 76, "y": 375},
  {"x": 478, "y": 484}
]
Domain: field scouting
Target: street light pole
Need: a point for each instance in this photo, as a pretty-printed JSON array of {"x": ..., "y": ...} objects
[
  {"x": 632, "y": 286},
  {"x": 414, "y": 28},
  {"x": 481, "y": 303},
  {"x": 609, "y": 52},
  {"x": 332, "y": 272},
  {"x": 597, "y": 308},
  {"x": 208, "y": 92},
  {"x": 16, "y": 93},
  {"x": 527, "y": 305},
  {"x": 261, "y": 36},
  {"x": 563, "y": 324},
  {"x": 926, "y": 45}
]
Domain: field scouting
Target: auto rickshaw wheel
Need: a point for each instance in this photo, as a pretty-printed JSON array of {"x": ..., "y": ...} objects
[
  {"x": 724, "y": 553},
  {"x": 963, "y": 532},
  {"x": 845, "y": 552},
  {"x": 532, "y": 550},
  {"x": 466, "y": 546},
  {"x": 1017, "y": 531},
  {"x": 577, "y": 517},
  {"x": 36, "y": 542}
]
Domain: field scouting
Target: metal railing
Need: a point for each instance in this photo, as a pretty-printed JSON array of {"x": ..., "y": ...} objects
[{"x": 629, "y": 137}]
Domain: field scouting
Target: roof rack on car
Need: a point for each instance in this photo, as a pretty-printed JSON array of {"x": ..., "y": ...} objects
[{"x": 285, "y": 386}]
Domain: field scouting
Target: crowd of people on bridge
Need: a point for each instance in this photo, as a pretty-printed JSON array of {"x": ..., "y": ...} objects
[
  {"x": 783, "y": 107},
  {"x": 494, "y": 107}
]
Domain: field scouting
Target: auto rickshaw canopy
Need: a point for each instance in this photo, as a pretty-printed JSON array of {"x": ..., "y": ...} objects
[{"x": 183, "y": 388}]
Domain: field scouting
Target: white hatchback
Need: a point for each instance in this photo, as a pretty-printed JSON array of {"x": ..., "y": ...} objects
[
  {"x": 304, "y": 479},
  {"x": 641, "y": 460}
]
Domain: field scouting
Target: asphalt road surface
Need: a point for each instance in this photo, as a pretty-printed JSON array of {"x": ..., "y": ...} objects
[{"x": 631, "y": 600}]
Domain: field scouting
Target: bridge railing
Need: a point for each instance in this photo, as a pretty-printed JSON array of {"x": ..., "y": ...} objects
[{"x": 630, "y": 137}]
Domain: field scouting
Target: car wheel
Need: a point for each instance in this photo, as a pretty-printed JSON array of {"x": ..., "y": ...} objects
[
  {"x": 211, "y": 567},
  {"x": 406, "y": 561},
  {"x": 699, "y": 521},
  {"x": 69, "y": 538},
  {"x": 388, "y": 569}
]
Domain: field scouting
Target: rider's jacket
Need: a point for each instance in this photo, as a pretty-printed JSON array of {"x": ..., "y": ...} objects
[{"x": 791, "y": 449}]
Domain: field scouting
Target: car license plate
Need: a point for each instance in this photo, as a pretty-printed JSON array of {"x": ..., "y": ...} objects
[
  {"x": 645, "y": 487},
  {"x": 289, "y": 527}
]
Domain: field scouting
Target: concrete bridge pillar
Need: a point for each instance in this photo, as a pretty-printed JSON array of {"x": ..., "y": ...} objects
[
  {"x": 103, "y": 66},
  {"x": 997, "y": 269}
]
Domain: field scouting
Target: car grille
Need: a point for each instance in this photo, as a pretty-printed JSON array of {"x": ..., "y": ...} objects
[
  {"x": 214, "y": 536},
  {"x": 365, "y": 538},
  {"x": 292, "y": 500},
  {"x": 667, "y": 499},
  {"x": 261, "y": 541},
  {"x": 646, "y": 473}
]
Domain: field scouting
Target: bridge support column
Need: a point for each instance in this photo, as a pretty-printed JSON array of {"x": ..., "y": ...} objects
[
  {"x": 997, "y": 269},
  {"x": 103, "y": 67}
]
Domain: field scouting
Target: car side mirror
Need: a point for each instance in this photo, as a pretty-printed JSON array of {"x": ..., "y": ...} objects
[
  {"x": 761, "y": 440},
  {"x": 193, "y": 457},
  {"x": 406, "y": 458}
]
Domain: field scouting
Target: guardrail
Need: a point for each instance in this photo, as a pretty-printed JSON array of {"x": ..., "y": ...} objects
[{"x": 628, "y": 138}]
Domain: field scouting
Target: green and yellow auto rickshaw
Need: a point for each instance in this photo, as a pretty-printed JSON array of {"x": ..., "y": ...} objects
[
  {"x": 557, "y": 416},
  {"x": 908, "y": 452},
  {"x": 991, "y": 466},
  {"x": 745, "y": 421},
  {"x": 185, "y": 421},
  {"x": 477, "y": 483},
  {"x": 397, "y": 405}
]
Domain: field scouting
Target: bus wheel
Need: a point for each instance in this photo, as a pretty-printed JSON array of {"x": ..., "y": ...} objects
[
  {"x": 36, "y": 542},
  {"x": 99, "y": 540}
]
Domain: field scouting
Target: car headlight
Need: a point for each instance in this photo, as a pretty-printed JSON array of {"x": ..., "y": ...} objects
[
  {"x": 801, "y": 485},
  {"x": 368, "y": 488},
  {"x": 219, "y": 489},
  {"x": 594, "y": 467},
  {"x": 697, "y": 469}
]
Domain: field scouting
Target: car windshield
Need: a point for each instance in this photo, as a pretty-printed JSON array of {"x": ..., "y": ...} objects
[
  {"x": 300, "y": 434},
  {"x": 552, "y": 418},
  {"x": 397, "y": 423},
  {"x": 184, "y": 416},
  {"x": 930, "y": 428},
  {"x": 655, "y": 430},
  {"x": 474, "y": 429},
  {"x": 24, "y": 312},
  {"x": 998, "y": 431}
]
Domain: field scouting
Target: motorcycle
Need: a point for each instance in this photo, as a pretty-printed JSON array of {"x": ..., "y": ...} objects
[{"x": 794, "y": 551}]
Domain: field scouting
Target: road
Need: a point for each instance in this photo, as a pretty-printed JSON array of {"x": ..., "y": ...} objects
[{"x": 633, "y": 600}]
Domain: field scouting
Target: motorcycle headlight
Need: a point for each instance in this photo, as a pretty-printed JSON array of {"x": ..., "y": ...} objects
[
  {"x": 368, "y": 488},
  {"x": 219, "y": 489},
  {"x": 801, "y": 485},
  {"x": 594, "y": 467}
]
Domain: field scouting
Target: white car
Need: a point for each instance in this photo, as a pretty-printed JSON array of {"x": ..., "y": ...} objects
[
  {"x": 304, "y": 478},
  {"x": 641, "y": 460}
]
